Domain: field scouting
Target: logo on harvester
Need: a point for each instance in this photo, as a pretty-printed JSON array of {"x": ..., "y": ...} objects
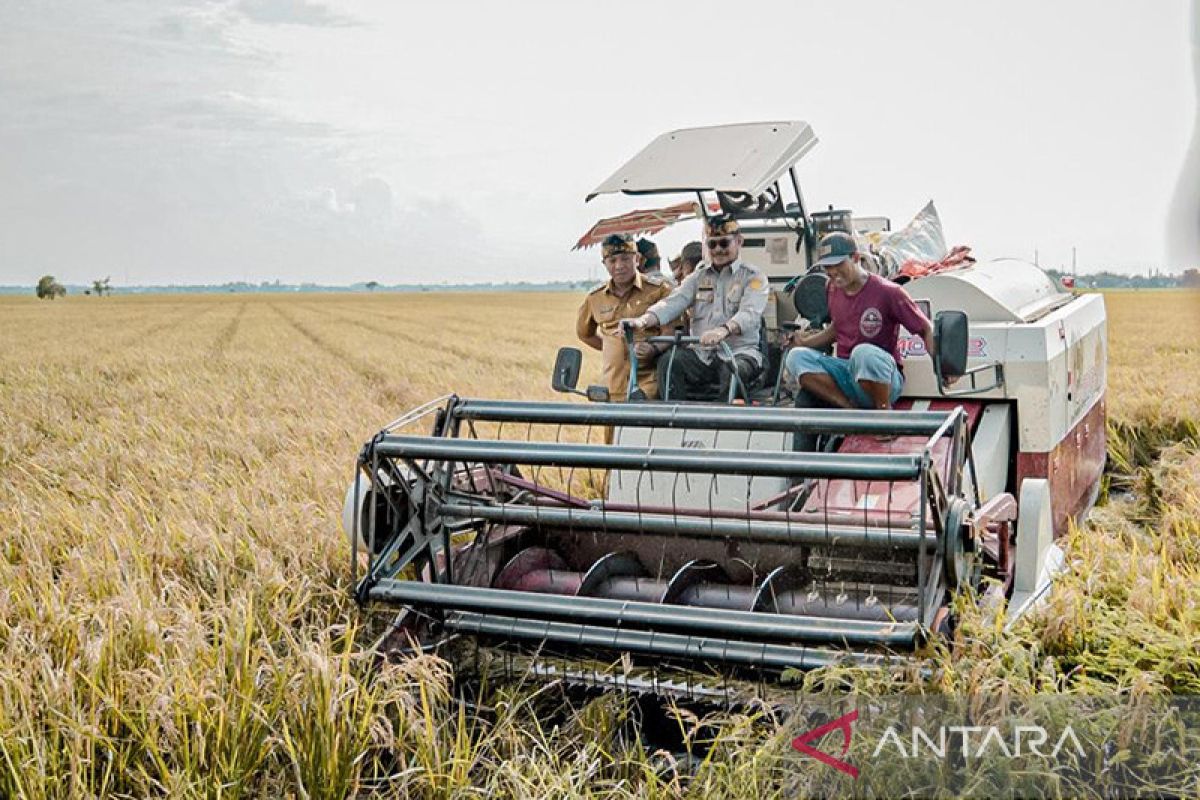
[
  {"x": 977, "y": 346},
  {"x": 696, "y": 444},
  {"x": 842, "y": 723}
]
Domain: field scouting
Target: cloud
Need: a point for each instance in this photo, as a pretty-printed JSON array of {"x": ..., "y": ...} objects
[
  {"x": 206, "y": 25},
  {"x": 372, "y": 199},
  {"x": 292, "y": 12},
  {"x": 364, "y": 232},
  {"x": 228, "y": 111},
  {"x": 212, "y": 22}
]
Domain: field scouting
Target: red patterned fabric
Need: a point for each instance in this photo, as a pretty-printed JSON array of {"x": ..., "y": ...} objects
[
  {"x": 645, "y": 221},
  {"x": 959, "y": 256}
]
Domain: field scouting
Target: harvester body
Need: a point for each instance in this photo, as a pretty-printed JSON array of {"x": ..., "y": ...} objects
[{"x": 711, "y": 533}]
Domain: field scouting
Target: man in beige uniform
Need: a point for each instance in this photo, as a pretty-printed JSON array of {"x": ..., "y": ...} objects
[
  {"x": 726, "y": 298},
  {"x": 626, "y": 293}
]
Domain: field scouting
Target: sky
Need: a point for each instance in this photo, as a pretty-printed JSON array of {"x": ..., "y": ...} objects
[{"x": 205, "y": 141}]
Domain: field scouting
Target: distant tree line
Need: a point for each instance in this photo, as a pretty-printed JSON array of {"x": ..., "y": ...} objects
[
  {"x": 49, "y": 289},
  {"x": 1114, "y": 280}
]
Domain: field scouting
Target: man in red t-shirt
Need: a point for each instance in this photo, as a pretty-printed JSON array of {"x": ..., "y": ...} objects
[{"x": 866, "y": 369}]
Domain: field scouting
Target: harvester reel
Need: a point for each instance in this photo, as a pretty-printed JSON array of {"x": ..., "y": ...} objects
[{"x": 695, "y": 555}]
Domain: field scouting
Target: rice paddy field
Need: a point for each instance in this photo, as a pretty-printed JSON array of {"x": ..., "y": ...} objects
[{"x": 175, "y": 617}]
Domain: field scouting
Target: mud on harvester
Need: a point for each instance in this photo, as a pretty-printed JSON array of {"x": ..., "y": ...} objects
[{"x": 758, "y": 535}]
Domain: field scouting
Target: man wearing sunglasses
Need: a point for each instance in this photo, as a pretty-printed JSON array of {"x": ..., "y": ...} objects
[
  {"x": 866, "y": 370},
  {"x": 726, "y": 298}
]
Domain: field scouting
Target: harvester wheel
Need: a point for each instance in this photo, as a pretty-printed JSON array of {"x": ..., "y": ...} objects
[{"x": 389, "y": 516}]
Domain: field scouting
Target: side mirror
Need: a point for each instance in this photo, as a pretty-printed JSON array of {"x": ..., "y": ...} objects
[
  {"x": 567, "y": 366},
  {"x": 950, "y": 333}
]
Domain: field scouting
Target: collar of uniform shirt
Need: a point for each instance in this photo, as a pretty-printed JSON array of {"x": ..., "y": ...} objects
[{"x": 732, "y": 266}]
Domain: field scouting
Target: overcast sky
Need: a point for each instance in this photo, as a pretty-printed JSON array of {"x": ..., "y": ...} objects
[{"x": 207, "y": 141}]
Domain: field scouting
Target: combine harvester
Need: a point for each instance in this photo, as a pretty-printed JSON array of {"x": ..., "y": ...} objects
[{"x": 760, "y": 536}]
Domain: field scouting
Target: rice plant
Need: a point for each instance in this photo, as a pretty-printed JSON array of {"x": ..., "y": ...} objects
[{"x": 174, "y": 610}]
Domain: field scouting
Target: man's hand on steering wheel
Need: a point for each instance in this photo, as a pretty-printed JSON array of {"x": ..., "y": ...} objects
[
  {"x": 715, "y": 336},
  {"x": 637, "y": 323}
]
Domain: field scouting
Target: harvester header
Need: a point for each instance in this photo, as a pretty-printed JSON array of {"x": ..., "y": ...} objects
[{"x": 549, "y": 564}]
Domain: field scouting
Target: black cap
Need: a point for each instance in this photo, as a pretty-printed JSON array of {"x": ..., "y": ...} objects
[
  {"x": 616, "y": 244},
  {"x": 835, "y": 248},
  {"x": 649, "y": 252},
  {"x": 721, "y": 224}
]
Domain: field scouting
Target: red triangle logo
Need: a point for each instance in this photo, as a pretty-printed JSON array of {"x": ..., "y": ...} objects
[{"x": 842, "y": 723}]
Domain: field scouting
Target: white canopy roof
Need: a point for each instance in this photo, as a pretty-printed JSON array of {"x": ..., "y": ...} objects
[{"x": 747, "y": 157}]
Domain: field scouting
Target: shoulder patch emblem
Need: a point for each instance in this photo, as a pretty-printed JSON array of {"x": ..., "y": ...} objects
[{"x": 756, "y": 283}]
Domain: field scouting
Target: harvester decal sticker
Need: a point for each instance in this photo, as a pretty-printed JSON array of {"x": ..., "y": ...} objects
[
  {"x": 1085, "y": 374},
  {"x": 977, "y": 347}
]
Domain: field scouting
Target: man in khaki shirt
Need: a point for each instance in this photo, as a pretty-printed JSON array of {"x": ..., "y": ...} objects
[{"x": 627, "y": 293}]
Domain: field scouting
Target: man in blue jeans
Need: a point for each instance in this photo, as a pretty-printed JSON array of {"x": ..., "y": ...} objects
[{"x": 866, "y": 370}]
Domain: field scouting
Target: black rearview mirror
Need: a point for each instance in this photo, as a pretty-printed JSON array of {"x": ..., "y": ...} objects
[
  {"x": 567, "y": 366},
  {"x": 950, "y": 334}
]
